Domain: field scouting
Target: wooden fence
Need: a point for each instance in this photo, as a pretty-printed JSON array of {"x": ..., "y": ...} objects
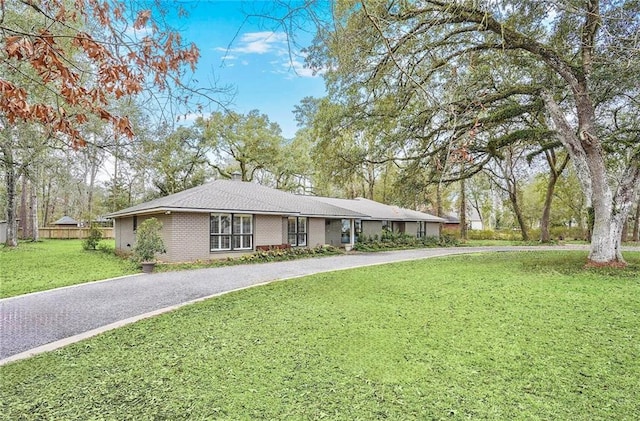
[{"x": 72, "y": 232}]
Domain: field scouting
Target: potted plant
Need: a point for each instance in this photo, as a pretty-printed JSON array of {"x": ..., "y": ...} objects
[{"x": 148, "y": 244}]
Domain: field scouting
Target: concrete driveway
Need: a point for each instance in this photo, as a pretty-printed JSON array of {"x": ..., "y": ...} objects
[{"x": 43, "y": 321}]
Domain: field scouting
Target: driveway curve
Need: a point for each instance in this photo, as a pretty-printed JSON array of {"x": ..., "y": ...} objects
[{"x": 43, "y": 321}]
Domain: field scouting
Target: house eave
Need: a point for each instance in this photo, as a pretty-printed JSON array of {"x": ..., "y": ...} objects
[{"x": 168, "y": 210}]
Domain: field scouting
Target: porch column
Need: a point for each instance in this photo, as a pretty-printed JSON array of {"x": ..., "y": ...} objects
[{"x": 352, "y": 233}]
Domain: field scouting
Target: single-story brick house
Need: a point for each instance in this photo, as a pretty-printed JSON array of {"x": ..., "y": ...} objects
[{"x": 225, "y": 218}]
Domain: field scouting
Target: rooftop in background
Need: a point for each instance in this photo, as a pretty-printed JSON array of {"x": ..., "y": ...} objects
[
  {"x": 451, "y": 219},
  {"x": 66, "y": 220}
]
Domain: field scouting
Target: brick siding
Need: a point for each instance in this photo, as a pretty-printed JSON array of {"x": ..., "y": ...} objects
[
  {"x": 316, "y": 232},
  {"x": 269, "y": 230},
  {"x": 187, "y": 237}
]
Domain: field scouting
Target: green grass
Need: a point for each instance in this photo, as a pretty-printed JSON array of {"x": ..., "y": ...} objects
[
  {"x": 487, "y": 243},
  {"x": 495, "y": 336},
  {"x": 40, "y": 266}
]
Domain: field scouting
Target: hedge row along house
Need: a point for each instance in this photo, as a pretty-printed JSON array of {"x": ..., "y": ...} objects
[{"x": 225, "y": 218}]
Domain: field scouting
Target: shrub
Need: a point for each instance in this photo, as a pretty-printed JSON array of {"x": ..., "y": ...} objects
[
  {"x": 511, "y": 235},
  {"x": 93, "y": 239},
  {"x": 106, "y": 248},
  {"x": 279, "y": 254},
  {"x": 390, "y": 240},
  {"x": 567, "y": 233},
  {"x": 451, "y": 232},
  {"x": 447, "y": 240},
  {"x": 148, "y": 241}
]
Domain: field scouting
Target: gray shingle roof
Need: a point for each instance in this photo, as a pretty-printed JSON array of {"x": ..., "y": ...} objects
[
  {"x": 243, "y": 197},
  {"x": 238, "y": 196},
  {"x": 66, "y": 220},
  {"x": 379, "y": 211},
  {"x": 451, "y": 219}
]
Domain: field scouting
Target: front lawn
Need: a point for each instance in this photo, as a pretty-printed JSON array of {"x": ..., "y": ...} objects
[
  {"x": 493, "y": 336},
  {"x": 49, "y": 264}
]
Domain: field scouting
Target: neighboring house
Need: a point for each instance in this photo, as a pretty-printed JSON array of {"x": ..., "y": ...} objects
[
  {"x": 452, "y": 222},
  {"x": 101, "y": 221},
  {"x": 225, "y": 218},
  {"x": 474, "y": 222},
  {"x": 66, "y": 222}
]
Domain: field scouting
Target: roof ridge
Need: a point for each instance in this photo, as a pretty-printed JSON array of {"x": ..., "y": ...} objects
[
  {"x": 181, "y": 195},
  {"x": 257, "y": 199}
]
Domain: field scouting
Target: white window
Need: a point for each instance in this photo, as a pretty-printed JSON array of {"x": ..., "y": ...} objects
[
  {"x": 231, "y": 232},
  {"x": 297, "y": 231},
  {"x": 242, "y": 232},
  {"x": 220, "y": 231}
]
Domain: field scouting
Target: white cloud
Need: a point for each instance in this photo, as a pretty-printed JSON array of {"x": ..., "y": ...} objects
[
  {"x": 264, "y": 42},
  {"x": 286, "y": 61}
]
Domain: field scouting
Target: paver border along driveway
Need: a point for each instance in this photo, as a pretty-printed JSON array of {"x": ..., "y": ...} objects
[{"x": 43, "y": 321}]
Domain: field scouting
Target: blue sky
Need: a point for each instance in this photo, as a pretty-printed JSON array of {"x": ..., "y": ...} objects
[{"x": 252, "y": 56}]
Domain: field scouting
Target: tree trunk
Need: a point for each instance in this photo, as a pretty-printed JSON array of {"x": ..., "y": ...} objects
[
  {"x": 554, "y": 174},
  {"x": 625, "y": 231},
  {"x": 114, "y": 180},
  {"x": 585, "y": 149},
  {"x": 439, "y": 208},
  {"x": 35, "y": 233},
  {"x": 610, "y": 215},
  {"x": 10, "y": 181},
  {"x": 371, "y": 181},
  {"x": 24, "y": 221},
  {"x": 636, "y": 224},
  {"x": 513, "y": 196},
  {"x": 384, "y": 183},
  {"x": 46, "y": 198},
  {"x": 12, "y": 226},
  {"x": 603, "y": 250},
  {"x": 545, "y": 235},
  {"x": 463, "y": 210},
  {"x": 512, "y": 191}
]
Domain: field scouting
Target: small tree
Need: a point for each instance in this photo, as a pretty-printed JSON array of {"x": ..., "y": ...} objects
[
  {"x": 93, "y": 239},
  {"x": 149, "y": 241}
]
